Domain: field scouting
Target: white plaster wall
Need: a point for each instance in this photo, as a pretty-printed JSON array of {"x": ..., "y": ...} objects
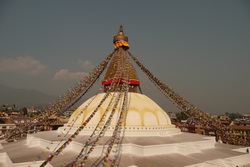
[
  {"x": 135, "y": 118},
  {"x": 150, "y": 119},
  {"x": 184, "y": 148},
  {"x": 30, "y": 164},
  {"x": 5, "y": 160},
  {"x": 242, "y": 160},
  {"x": 129, "y": 130}
]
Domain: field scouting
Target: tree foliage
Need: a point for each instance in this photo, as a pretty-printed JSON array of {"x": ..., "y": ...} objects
[{"x": 181, "y": 116}]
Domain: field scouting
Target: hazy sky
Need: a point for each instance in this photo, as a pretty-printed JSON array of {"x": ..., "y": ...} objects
[{"x": 199, "y": 48}]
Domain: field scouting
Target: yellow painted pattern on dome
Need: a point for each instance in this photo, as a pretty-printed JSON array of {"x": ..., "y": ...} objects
[{"x": 138, "y": 104}]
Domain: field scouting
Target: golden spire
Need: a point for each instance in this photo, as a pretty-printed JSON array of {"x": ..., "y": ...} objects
[{"x": 120, "y": 54}]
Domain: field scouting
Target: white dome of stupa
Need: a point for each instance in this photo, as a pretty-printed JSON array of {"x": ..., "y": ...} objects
[{"x": 144, "y": 116}]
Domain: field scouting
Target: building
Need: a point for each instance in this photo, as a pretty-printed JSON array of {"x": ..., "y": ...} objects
[{"x": 6, "y": 123}]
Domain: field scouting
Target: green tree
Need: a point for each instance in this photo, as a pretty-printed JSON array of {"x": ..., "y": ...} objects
[
  {"x": 181, "y": 116},
  {"x": 234, "y": 116},
  {"x": 25, "y": 111}
]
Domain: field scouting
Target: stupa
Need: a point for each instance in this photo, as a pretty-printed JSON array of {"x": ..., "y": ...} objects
[
  {"x": 121, "y": 127},
  {"x": 143, "y": 118}
]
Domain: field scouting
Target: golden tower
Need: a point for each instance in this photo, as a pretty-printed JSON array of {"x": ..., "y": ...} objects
[{"x": 120, "y": 54}]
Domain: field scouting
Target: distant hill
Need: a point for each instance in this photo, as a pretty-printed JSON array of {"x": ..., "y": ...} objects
[{"x": 24, "y": 97}]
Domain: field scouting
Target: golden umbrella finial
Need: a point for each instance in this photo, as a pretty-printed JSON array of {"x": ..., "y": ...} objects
[{"x": 121, "y": 39}]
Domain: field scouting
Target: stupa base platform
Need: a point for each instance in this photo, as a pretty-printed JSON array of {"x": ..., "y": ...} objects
[{"x": 183, "y": 149}]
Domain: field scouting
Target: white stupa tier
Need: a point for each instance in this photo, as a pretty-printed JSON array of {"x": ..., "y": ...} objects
[
  {"x": 144, "y": 116},
  {"x": 181, "y": 150}
]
